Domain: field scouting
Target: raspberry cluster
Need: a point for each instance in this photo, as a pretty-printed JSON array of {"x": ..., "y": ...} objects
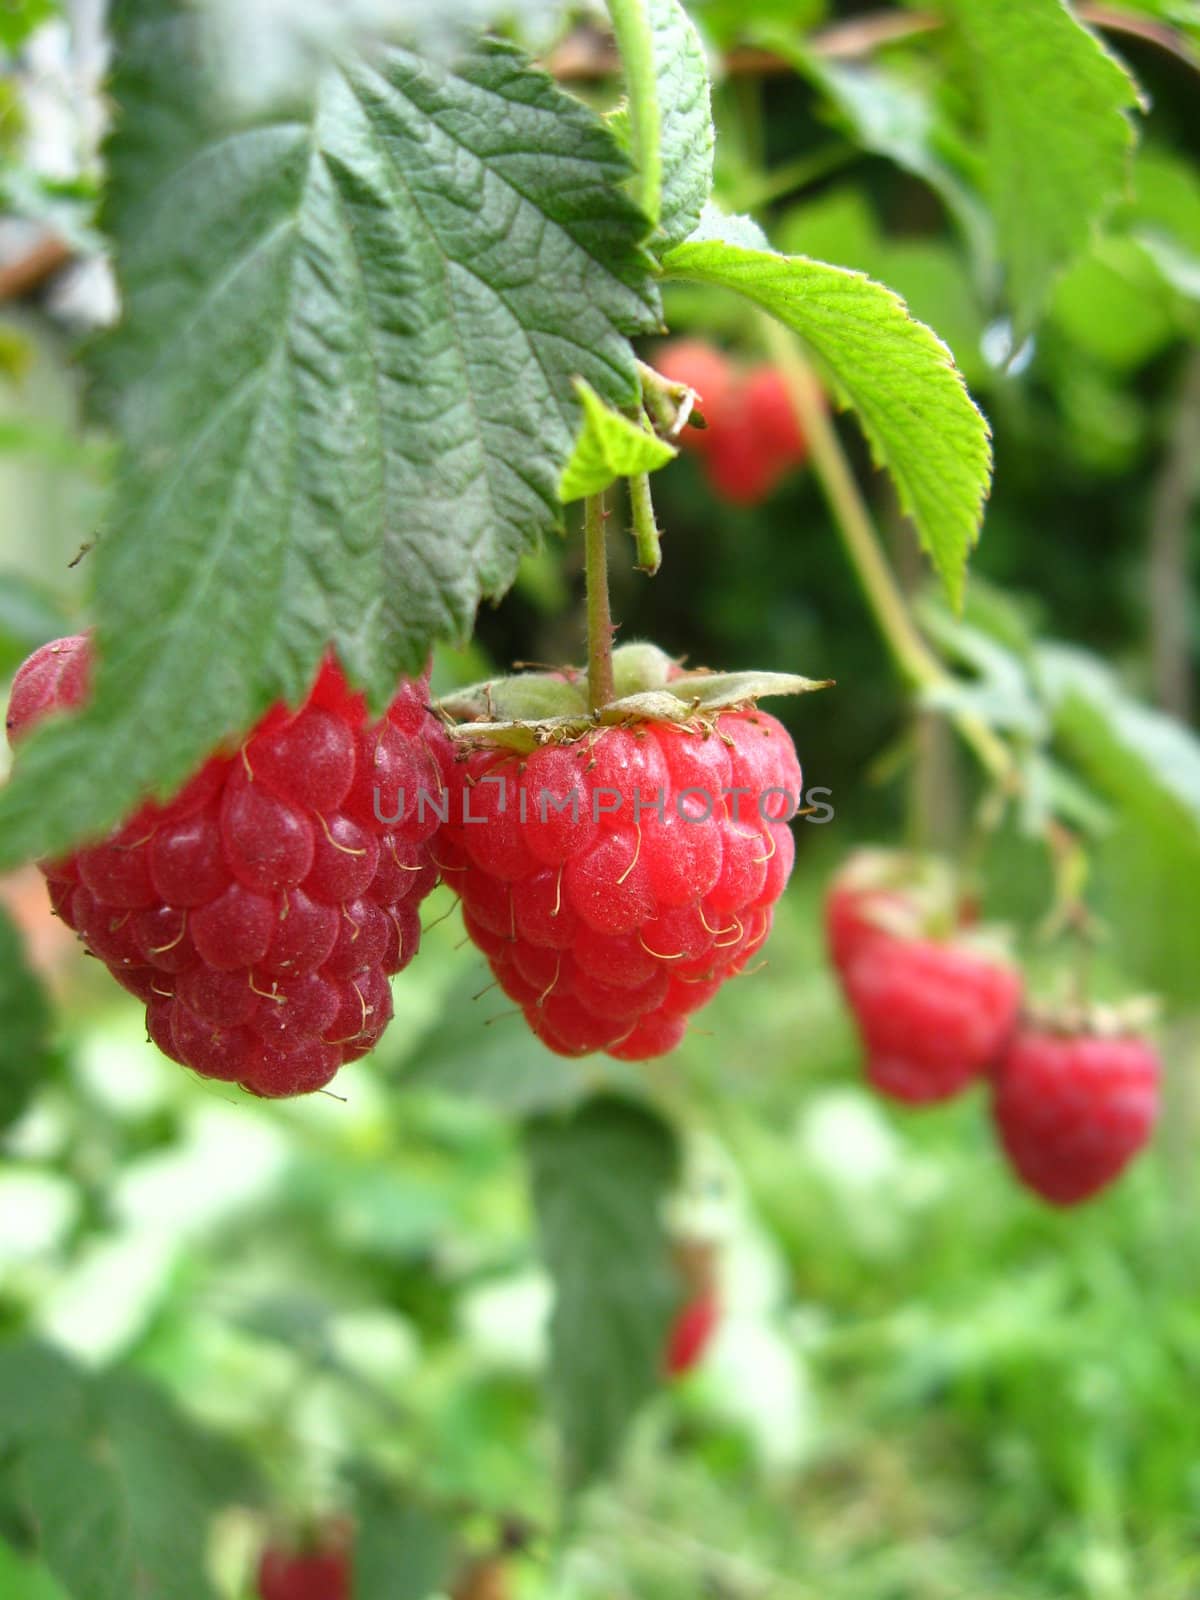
[
  {"x": 751, "y": 438},
  {"x": 259, "y": 912},
  {"x": 615, "y": 882},
  {"x": 1073, "y": 1098}
]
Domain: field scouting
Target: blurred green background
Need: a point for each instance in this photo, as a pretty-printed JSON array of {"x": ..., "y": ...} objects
[{"x": 924, "y": 1384}]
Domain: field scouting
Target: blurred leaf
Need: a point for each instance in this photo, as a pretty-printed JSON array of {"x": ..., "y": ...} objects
[
  {"x": 20, "y": 1580},
  {"x": 24, "y": 1026},
  {"x": 1058, "y": 140},
  {"x": 29, "y": 616},
  {"x": 41, "y": 1394},
  {"x": 1149, "y": 765},
  {"x": 898, "y": 376},
  {"x": 894, "y": 117},
  {"x": 18, "y": 19},
  {"x": 600, "y": 1179},
  {"x": 999, "y": 692},
  {"x": 344, "y": 385},
  {"x": 1114, "y": 305},
  {"x": 609, "y": 446},
  {"x": 480, "y": 1047},
  {"x": 402, "y": 1550},
  {"x": 117, "y": 1485}
]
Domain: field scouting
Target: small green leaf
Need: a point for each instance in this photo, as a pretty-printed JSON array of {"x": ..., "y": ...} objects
[
  {"x": 609, "y": 446},
  {"x": 898, "y": 376},
  {"x": 600, "y": 1179},
  {"x": 24, "y": 1026},
  {"x": 1058, "y": 140},
  {"x": 343, "y": 387}
]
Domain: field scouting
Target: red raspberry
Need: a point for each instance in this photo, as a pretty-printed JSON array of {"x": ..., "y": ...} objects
[
  {"x": 773, "y": 417},
  {"x": 752, "y": 437},
  {"x": 615, "y": 882},
  {"x": 1074, "y": 1108},
  {"x": 691, "y": 1333},
  {"x": 887, "y": 893},
  {"x": 933, "y": 1016},
  {"x": 259, "y": 912},
  {"x": 322, "y": 1573}
]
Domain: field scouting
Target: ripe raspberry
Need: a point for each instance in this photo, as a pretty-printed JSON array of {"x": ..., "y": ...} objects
[
  {"x": 258, "y": 913},
  {"x": 1074, "y": 1108},
  {"x": 887, "y": 893},
  {"x": 691, "y": 1333},
  {"x": 932, "y": 1015},
  {"x": 614, "y": 883},
  {"x": 773, "y": 416},
  {"x": 321, "y": 1573},
  {"x": 751, "y": 438}
]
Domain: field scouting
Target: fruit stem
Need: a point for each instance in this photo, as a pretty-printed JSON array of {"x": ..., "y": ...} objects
[
  {"x": 599, "y": 615},
  {"x": 916, "y": 662},
  {"x": 645, "y": 528}
]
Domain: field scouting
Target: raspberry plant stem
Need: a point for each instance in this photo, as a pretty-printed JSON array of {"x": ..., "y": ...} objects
[
  {"x": 916, "y": 662},
  {"x": 635, "y": 41},
  {"x": 645, "y": 528},
  {"x": 599, "y": 615}
]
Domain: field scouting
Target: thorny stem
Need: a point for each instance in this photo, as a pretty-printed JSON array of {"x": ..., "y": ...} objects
[
  {"x": 646, "y": 534},
  {"x": 599, "y": 616},
  {"x": 916, "y": 663}
]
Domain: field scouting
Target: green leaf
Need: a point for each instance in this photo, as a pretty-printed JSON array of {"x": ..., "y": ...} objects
[
  {"x": 479, "y": 1048},
  {"x": 1058, "y": 140},
  {"x": 118, "y": 1487},
  {"x": 600, "y": 1179},
  {"x": 1149, "y": 765},
  {"x": 666, "y": 123},
  {"x": 22, "y": 1580},
  {"x": 685, "y": 104},
  {"x": 344, "y": 385},
  {"x": 898, "y": 376},
  {"x": 609, "y": 446},
  {"x": 894, "y": 117},
  {"x": 402, "y": 1550},
  {"x": 24, "y": 1026}
]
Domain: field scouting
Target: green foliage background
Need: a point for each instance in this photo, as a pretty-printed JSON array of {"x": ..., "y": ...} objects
[{"x": 221, "y": 1318}]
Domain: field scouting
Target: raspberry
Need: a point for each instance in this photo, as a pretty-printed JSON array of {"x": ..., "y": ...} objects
[
  {"x": 1074, "y": 1108},
  {"x": 615, "y": 882},
  {"x": 751, "y": 438},
  {"x": 321, "y": 1573},
  {"x": 691, "y": 1333},
  {"x": 258, "y": 913},
  {"x": 880, "y": 893},
  {"x": 773, "y": 416},
  {"x": 932, "y": 1016}
]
